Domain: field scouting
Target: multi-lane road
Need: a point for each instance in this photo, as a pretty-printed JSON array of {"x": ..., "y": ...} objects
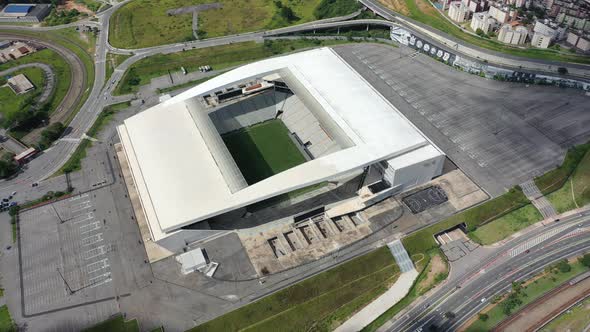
[{"x": 467, "y": 292}]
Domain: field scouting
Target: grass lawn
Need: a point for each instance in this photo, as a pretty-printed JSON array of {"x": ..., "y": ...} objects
[
  {"x": 117, "y": 324},
  {"x": 563, "y": 198},
  {"x": 531, "y": 291},
  {"x": 60, "y": 68},
  {"x": 423, "y": 240},
  {"x": 6, "y": 322},
  {"x": 13, "y": 103},
  {"x": 262, "y": 150},
  {"x": 75, "y": 162},
  {"x": 185, "y": 85},
  {"x": 556, "y": 178},
  {"x": 63, "y": 79},
  {"x": 320, "y": 302},
  {"x": 422, "y": 284},
  {"x": 218, "y": 57},
  {"x": 144, "y": 23},
  {"x": 506, "y": 225},
  {"x": 575, "y": 319},
  {"x": 422, "y": 11}
]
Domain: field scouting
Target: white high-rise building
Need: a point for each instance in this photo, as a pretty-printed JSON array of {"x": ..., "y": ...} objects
[
  {"x": 499, "y": 14},
  {"x": 458, "y": 11},
  {"x": 483, "y": 21},
  {"x": 512, "y": 34}
]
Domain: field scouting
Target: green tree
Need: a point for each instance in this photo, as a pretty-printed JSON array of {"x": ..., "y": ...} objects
[
  {"x": 288, "y": 14},
  {"x": 585, "y": 260},
  {"x": 563, "y": 266},
  {"x": 483, "y": 317}
]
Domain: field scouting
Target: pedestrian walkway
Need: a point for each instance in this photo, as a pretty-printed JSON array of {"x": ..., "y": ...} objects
[
  {"x": 393, "y": 295},
  {"x": 532, "y": 192},
  {"x": 401, "y": 256}
]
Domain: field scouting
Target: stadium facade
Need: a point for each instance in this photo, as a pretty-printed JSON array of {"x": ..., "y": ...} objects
[{"x": 185, "y": 173}]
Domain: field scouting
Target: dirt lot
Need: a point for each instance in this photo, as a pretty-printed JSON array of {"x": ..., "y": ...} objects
[
  {"x": 71, "y": 4},
  {"x": 397, "y": 6},
  {"x": 437, "y": 265}
]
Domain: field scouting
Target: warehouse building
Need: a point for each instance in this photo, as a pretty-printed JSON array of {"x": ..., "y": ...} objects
[
  {"x": 31, "y": 13},
  {"x": 267, "y": 129}
]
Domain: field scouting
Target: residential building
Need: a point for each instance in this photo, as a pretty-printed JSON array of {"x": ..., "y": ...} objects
[
  {"x": 513, "y": 34},
  {"x": 502, "y": 15},
  {"x": 483, "y": 21},
  {"x": 546, "y": 32},
  {"x": 458, "y": 11},
  {"x": 540, "y": 40},
  {"x": 579, "y": 40}
]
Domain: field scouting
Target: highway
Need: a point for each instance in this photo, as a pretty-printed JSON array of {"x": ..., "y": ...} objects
[{"x": 470, "y": 291}]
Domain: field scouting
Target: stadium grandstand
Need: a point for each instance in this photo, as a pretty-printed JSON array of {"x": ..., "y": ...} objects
[{"x": 271, "y": 128}]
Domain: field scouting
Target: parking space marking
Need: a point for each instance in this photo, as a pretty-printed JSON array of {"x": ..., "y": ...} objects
[
  {"x": 102, "y": 282},
  {"x": 78, "y": 197},
  {"x": 95, "y": 281},
  {"x": 90, "y": 227},
  {"x": 95, "y": 252},
  {"x": 97, "y": 266},
  {"x": 92, "y": 239},
  {"x": 88, "y": 216},
  {"x": 82, "y": 206}
]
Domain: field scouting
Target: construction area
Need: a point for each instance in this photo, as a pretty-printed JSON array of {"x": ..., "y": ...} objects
[{"x": 282, "y": 245}]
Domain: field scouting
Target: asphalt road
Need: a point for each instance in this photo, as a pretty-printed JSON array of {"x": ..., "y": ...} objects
[{"x": 470, "y": 291}]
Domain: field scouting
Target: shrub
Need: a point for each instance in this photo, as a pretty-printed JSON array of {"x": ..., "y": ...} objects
[{"x": 585, "y": 260}]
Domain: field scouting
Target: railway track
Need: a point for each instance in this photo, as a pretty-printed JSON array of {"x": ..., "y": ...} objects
[{"x": 78, "y": 80}]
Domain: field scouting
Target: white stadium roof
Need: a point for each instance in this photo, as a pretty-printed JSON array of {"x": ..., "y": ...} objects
[{"x": 177, "y": 175}]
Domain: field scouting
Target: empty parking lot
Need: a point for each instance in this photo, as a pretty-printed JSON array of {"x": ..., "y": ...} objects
[
  {"x": 65, "y": 258},
  {"x": 501, "y": 134}
]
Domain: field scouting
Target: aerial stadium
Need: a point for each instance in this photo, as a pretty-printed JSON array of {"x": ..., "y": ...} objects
[{"x": 274, "y": 128}]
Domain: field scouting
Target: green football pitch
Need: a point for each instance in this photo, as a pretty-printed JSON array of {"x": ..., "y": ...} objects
[{"x": 263, "y": 150}]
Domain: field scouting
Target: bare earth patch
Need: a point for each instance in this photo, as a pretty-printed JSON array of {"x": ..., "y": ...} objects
[
  {"x": 397, "y": 6},
  {"x": 71, "y": 4},
  {"x": 436, "y": 266},
  {"x": 425, "y": 7}
]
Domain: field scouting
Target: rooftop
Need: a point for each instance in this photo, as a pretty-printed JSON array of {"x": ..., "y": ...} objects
[
  {"x": 18, "y": 8},
  {"x": 178, "y": 166}
]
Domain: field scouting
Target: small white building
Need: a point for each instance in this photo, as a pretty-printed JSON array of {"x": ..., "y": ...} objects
[
  {"x": 483, "y": 21},
  {"x": 459, "y": 12},
  {"x": 20, "y": 84},
  {"x": 512, "y": 34}
]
